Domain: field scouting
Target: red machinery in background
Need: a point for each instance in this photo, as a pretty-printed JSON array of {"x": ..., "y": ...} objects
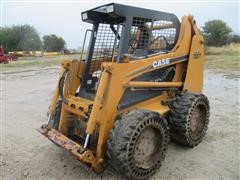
[{"x": 5, "y": 58}]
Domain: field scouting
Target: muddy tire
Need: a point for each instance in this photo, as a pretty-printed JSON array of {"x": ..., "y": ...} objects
[
  {"x": 55, "y": 116},
  {"x": 189, "y": 118},
  {"x": 137, "y": 144}
]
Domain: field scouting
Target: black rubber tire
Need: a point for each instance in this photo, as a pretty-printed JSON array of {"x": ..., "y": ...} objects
[
  {"x": 181, "y": 117},
  {"x": 55, "y": 116},
  {"x": 123, "y": 138}
]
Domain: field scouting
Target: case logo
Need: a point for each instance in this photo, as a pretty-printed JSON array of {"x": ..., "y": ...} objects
[
  {"x": 161, "y": 62},
  {"x": 197, "y": 54}
]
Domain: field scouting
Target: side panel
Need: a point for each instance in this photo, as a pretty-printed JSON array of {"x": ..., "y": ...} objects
[
  {"x": 155, "y": 104},
  {"x": 194, "y": 77}
]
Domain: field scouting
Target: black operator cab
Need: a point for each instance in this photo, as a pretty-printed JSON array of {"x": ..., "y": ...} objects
[{"x": 120, "y": 30}]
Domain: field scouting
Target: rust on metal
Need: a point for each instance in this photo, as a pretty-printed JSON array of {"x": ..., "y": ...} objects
[
  {"x": 59, "y": 139},
  {"x": 83, "y": 155}
]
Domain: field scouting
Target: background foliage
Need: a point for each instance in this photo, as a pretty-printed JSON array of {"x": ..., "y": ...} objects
[
  {"x": 26, "y": 38},
  {"x": 19, "y": 38},
  {"x": 217, "y": 33},
  {"x": 53, "y": 43}
]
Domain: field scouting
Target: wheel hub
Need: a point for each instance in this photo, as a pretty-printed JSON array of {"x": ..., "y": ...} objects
[
  {"x": 197, "y": 121},
  {"x": 146, "y": 147}
]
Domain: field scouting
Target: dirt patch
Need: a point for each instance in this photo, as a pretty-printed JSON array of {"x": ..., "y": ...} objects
[{"x": 27, "y": 154}]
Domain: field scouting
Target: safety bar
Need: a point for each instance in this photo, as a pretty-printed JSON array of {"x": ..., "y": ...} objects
[{"x": 144, "y": 84}]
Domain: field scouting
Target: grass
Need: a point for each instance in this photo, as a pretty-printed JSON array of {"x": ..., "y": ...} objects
[
  {"x": 226, "y": 58},
  {"x": 24, "y": 63},
  {"x": 229, "y": 50}
]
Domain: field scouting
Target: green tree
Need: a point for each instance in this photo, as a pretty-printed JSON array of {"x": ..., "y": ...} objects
[
  {"x": 216, "y": 33},
  {"x": 53, "y": 43},
  {"x": 234, "y": 38},
  {"x": 20, "y": 38}
]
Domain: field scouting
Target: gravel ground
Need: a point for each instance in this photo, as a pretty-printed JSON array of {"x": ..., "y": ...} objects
[{"x": 26, "y": 154}]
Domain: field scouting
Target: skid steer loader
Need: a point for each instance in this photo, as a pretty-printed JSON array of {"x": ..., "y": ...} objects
[{"x": 138, "y": 84}]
